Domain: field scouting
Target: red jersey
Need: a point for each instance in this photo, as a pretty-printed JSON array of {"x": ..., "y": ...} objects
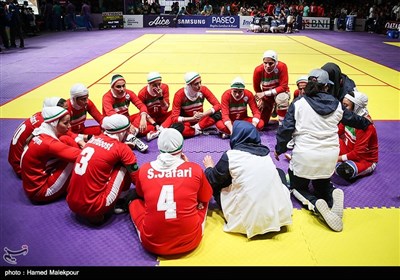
[
  {"x": 233, "y": 109},
  {"x": 113, "y": 105},
  {"x": 320, "y": 11},
  {"x": 153, "y": 103},
  {"x": 41, "y": 161},
  {"x": 313, "y": 9},
  {"x": 89, "y": 191},
  {"x": 359, "y": 144},
  {"x": 184, "y": 107},
  {"x": 296, "y": 93},
  {"x": 18, "y": 142},
  {"x": 278, "y": 79},
  {"x": 78, "y": 116},
  {"x": 170, "y": 222}
]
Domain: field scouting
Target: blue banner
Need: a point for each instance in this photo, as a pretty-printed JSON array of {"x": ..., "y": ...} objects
[
  {"x": 223, "y": 21},
  {"x": 159, "y": 21},
  {"x": 208, "y": 21}
]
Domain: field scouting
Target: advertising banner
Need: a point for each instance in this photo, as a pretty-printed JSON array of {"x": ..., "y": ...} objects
[
  {"x": 113, "y": 20},
  {"x": 208, "y": 21},
  {"x": 159, "y": 21},
  {"x": 316, "y": 23},
  {"x": 133, "y": 21}
]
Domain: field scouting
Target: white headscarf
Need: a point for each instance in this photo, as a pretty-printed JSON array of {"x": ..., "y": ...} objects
[
  {"x": 116, "y": 126},
  {"x": 51, "y": 116},
  {"x": 170, "y": 144},
  {"x": 77, "y": 90},
  {"x": 360, "y": 101},
  {"x": 51, "y": 101},
  {"x": 152, "y": 77},
  {"x": 270, "y": 54},
  {"x": 189, "y": 92}
]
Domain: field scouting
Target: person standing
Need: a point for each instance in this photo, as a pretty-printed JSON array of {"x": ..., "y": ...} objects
[
  {"x": 155, "y": 95},
  {"x": 87, "y": 15},
  {"x": 172, "y": 194},
  {"x": 103, "y": 172},
  {"x": 247, "y": 185},
  {"x": 47, "y": 163},
  {"x": 312, "y": 121},
  {"x": 234, "y": 104},
  {"x": 270, "y": 83},
  {"x": 16, "y": 24},
  {"x": 188, "y": 115},
  {"x": 71, "y": 16}
]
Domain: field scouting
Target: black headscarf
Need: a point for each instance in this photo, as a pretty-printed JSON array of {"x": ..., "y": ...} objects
[{"x": 245, "y": 137}]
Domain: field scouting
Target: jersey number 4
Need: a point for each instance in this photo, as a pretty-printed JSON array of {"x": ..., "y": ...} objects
[{"x": 166, "y": 202}]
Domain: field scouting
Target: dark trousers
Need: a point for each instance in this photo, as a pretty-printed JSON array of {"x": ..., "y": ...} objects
[{"x": 319, "y": 188}]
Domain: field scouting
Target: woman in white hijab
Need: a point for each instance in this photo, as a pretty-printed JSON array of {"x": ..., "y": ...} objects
[
  {"x": 47, "y": 161},
  {"x": 188, "y": 114},
  {"x": 358, "y": 148},
  {"x": 24, "y": 131},
  {"x": 103, "y": 173},
  {"x": 171, "y": 214}
]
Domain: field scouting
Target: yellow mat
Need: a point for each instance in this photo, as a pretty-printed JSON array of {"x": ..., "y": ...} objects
[
  {"x": 370, "y": 237},
  {"x": 218, "y": 58}
]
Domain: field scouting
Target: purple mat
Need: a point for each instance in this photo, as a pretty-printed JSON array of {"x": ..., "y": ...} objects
[{"x": 56, "y": 238}]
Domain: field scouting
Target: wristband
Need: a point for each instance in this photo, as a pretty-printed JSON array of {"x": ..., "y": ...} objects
[
  {"x": 161, "y": 97},
  {"x": 79, "y": 137},
  {"x": 267, "y": 93}
]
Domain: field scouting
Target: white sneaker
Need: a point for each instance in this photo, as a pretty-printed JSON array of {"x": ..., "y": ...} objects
[
  {"x": 338, "y": 201},
  {"x": 290, "y": 144},
  {"x": 138, "y": 144},
  {"x": 225, "y": 136},
  {"x": 333, "y": 220},
  {"x": 152, "y": 135}
]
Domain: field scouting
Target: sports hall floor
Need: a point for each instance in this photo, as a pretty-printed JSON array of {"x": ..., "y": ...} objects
[{"x": 51, "y": 63}]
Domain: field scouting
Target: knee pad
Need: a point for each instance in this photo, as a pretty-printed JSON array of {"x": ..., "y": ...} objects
[
  {"x": 345, "y": 171},
  {"x": 257, "y": 28},
  {"x": 282, "y": 101},
  {"x": 178, "y": 126},
  {"x": 216, "y": 116}
]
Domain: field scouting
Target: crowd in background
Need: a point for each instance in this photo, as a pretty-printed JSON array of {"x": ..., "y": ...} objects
[{"x": 18, "y": 20}]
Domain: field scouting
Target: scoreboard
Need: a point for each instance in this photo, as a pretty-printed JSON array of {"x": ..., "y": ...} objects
[{"x": 113, "y": 20}]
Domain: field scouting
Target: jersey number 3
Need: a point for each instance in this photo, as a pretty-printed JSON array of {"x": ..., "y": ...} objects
[{"x": 86, "y": 155}]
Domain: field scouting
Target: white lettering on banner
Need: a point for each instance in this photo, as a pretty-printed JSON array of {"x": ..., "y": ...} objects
[
  {"x": 111, "y": 14},
  {"x": 159, "y": 21},
  {"x": 174, "y": 173},
  {"x": 223, "y": 20},
  {"x": 392, "y": 25},
  {"x": 223, "y": 26},
  {"x": 191, "y": 21},
  {"x": 316, "y": 23},
  {"x": 246, "y": 22}
]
